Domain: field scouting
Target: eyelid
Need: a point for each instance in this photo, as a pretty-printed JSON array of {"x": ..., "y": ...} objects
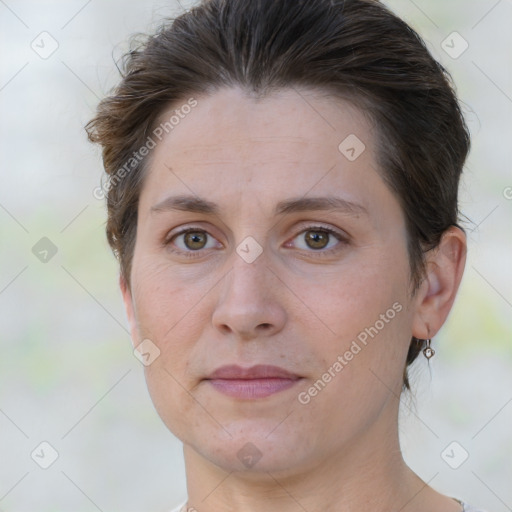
[{"x": 312, "y": 225}]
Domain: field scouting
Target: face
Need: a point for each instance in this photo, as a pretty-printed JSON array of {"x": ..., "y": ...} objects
[{"x": 272, "y": 277}]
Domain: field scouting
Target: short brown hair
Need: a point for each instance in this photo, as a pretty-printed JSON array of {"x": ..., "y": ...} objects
[{"x": 354, "y": 49}]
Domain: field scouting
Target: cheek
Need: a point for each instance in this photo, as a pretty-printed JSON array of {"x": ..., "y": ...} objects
[
  {"x": 354, "y": 296},
  {"x": 369, "y": 326},
  {"x": 170, "y": 310},
  {"x": 162, "y": 297}
]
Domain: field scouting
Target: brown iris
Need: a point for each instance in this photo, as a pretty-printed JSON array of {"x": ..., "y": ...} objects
[
  {"x": 195, "y": 237},
  {"x": 317, "y": 240}
]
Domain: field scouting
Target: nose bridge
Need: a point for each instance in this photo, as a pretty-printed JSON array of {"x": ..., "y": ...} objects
[
  {"x": 250, "y": 269},
  {"x": 248, "y": 303}
]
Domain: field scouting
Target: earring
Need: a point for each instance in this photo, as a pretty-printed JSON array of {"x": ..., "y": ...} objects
[{"x": 428, "y": 352}]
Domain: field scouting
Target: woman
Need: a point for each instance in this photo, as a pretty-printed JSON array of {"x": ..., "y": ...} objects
[{"x": 282, "y": 198}]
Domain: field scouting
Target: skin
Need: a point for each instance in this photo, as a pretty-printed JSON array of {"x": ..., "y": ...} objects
[{"x": 290, "y": 307}]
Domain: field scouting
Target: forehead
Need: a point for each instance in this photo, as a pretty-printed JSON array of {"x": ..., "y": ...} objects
[
  {"x": 230, "y": 119},
  {"x": 284, "y": 145}
]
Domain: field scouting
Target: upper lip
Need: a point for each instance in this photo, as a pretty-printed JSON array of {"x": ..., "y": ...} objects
[{"x": 259, "y": 371}]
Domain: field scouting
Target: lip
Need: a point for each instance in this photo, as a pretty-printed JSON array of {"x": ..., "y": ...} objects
[
  {"x": 255, "y": 382},
  {"x": 259, "y": 371}
]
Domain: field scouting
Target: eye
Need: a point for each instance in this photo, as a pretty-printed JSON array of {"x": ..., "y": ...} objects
[
  {"x": 318, "y": 238},
  {"x": 193, "y": 241}
]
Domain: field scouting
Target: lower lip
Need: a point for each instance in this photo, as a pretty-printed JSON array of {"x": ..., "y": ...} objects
[{"x": 252, "y": 388}]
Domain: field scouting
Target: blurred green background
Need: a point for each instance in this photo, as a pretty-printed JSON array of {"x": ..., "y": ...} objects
[{"x": 67, "y": 372}]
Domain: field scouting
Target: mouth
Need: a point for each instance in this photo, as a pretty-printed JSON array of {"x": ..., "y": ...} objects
[{"x": 259, "y": 381}]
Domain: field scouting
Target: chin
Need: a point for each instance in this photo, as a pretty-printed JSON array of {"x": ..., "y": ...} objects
[{"x": 255, "y": 448}]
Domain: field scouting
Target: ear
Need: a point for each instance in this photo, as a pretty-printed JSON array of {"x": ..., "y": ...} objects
[
  {"x": 130, "y": 310},
  {"x": 445, "y": 266}
]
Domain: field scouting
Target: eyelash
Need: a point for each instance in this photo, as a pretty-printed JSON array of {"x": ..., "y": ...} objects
[{"x": 320, "y": 253}]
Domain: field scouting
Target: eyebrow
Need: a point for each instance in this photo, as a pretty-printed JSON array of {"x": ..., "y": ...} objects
[{"x": 188, "y": 203}]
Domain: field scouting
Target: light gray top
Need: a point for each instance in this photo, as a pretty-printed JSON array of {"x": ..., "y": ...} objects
[{"x": 466, "y": 507}]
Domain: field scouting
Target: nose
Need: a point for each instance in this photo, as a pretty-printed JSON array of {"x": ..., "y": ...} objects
[{"x": 250, "y": 302}]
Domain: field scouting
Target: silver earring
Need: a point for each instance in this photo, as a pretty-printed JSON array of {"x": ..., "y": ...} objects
[{"x": 428, "y": 351}]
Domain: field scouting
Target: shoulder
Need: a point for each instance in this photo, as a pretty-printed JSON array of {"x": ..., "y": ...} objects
[{"x": 470, "y": 508}]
